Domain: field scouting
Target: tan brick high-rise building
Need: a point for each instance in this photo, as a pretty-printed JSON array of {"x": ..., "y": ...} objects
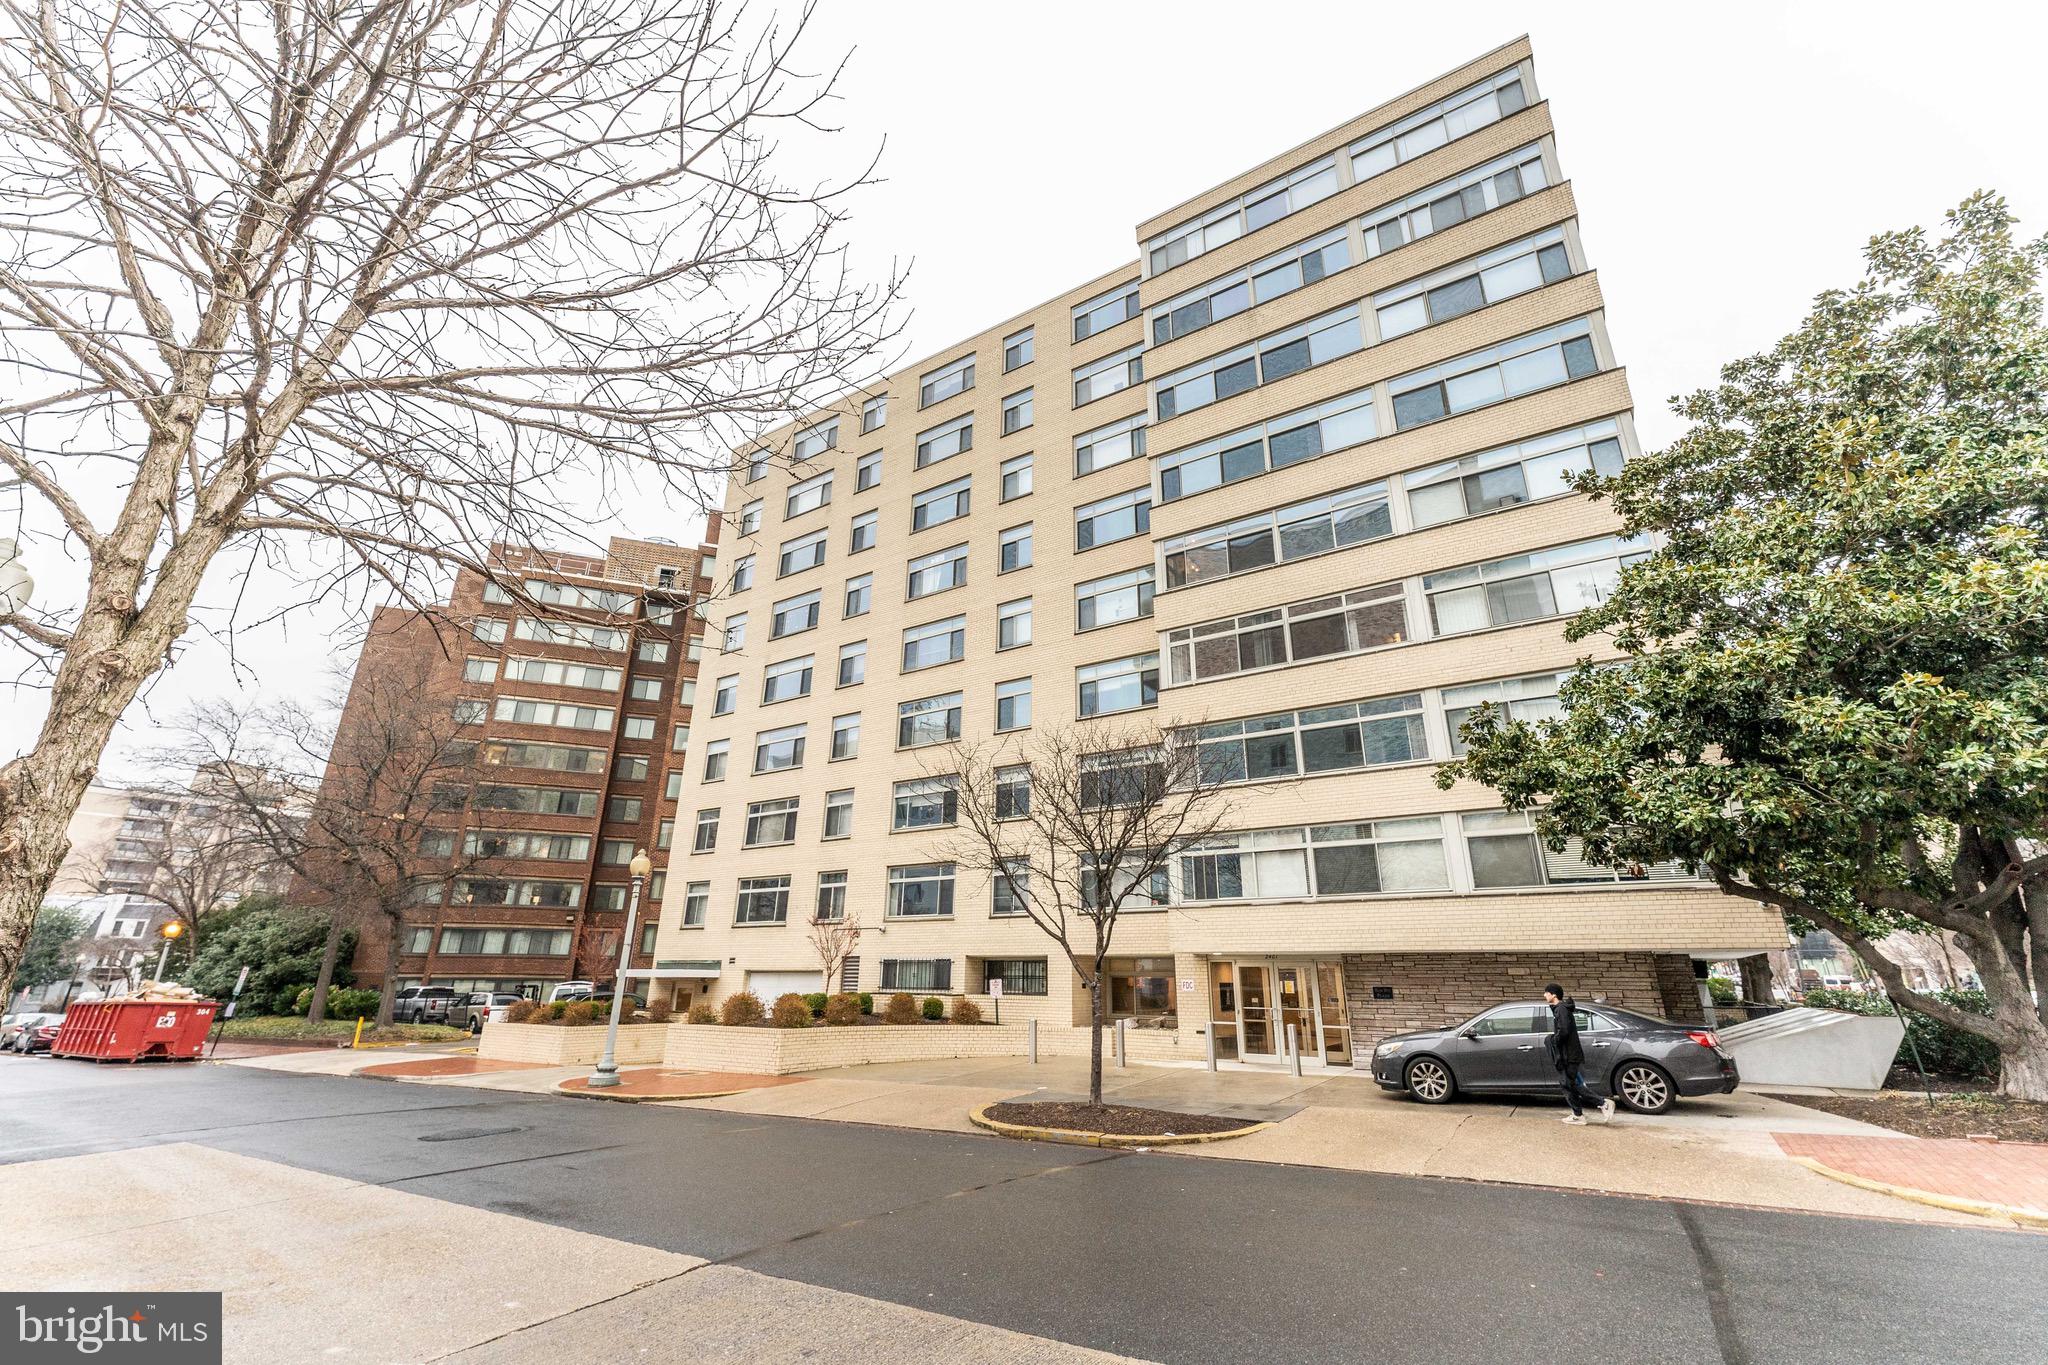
[
  {"x": 1297, "y": 473},
  {"x": 576, "y": 692}
]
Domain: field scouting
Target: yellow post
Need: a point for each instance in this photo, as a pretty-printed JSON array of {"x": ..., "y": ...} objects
[{"x": 357, "y": 1041}]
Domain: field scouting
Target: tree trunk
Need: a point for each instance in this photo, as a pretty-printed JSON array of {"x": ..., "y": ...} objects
[
  {"x": 1095, "y": 1039},
  {"x": 330, "y": 954},
  {"x": 1756, "y": 978},
  {"x": 394, "y": 926},
  {"x": 2023, "y": 1070}
]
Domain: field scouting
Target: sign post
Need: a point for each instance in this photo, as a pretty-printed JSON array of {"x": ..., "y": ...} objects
[
  {"x": 995, "y": 993},
  {"x": 228, "y": 1013}
]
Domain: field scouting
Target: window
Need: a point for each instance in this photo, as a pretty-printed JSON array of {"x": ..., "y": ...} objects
[
  {"x": 1013, "y": 704},
  {"x": 771, "y": 822},
  {"x": 496, "y": 593},
  {"x": 1019, "y": 349},
  {"x": 1269, "y": 203},
  {"x": 523, "y": 711},
  {"x": 1017, "y": 412},
  {"x": 1013, "y": 549},
  {"x": 474, "y": 942},
  {"x": 1450, "y": 202},
  {"x": 946, "y": 440},
  {"x": 1336, "y": 521},
  {"x": 838, "y": 814},
  {"x": 524, "y": 754},
  {"x": 1539, "y": 468},
  {"x": 1019, "y": 975},
  {"x": 937, "y": 385},
  {"x": 545, "y": 847},
  {"x": 1113, "y": 373},
  {"x": 863, "y": 537},
  {"x": 664, "y": 834},
  {"x": 735, "y": 635},
  {"x": 808, "y": 496},
  {"x": 1326, "y": 739},
  {"x": 1113, "y": 519},
  {"x": 750, "y": 518},
  {"x": 874, "y": 413},
  {"x": 574, "y": 633},
  {"x": 1243, "y": 368},
  {"x": 853, "y": 663},
  {"x": 538, "y": 894},
  {"x": 1506, "y": 852},
  {"x": 673, "y": 786},
  {"x": 725, "y": 695},
  {"x": 917, "y": 974},
  {"x": 938, "y": 642},
  {"x": 817, "y": 440},
  {"x": 779, "y": 750},
  {"x": 846, "y": 736},
  {"x": 1109, "y": 601},
  {"x": 1013, "y": 624},
  {"x": 479, "y": 670},
  {"x": 1445, "y": 121},
  {"x": 757, "y": 466},
  {"x": 1228, "y": 295},
  {"x": 623, "y": 810},
  {"x": 488, "y": 629},
  {"x": 762, "y": 900},
  {"x": 615, "y": 852},
  {"x": 1109, "y": 445},
  {"x": 471, "y": 711},
  {"x": 695, "y": 651},
  {"x": 786, "y": 681},
  {"x": 938, "y": 572},
  {"x": 679, "y": 739},
  {"x": 1344, "y": 623},
  {"x": 696, "y": 904},
  {"x": 652, "y": 652},
  {"x": 706, "y": 838},
  {"x": 794, "y": 615},
  {"x": 687, "y": 696},
  {"x": 1016, "y": 475},
  {"x": 576, "y": 595},
  {"x": 632, "y": 768},
  {"x": 1119, "y": 684},
  {"x": 805, "y": 552},
  {"x": 1531, "y": 699},
  {"x": 645, "y": 689},
  {"x": 937, "y": 506},
  {"x": 1010, "y": 890},
  {"x": 557, "y": 673},
  {"x": 928, "y": 720},
  {"x": 921, "y": 890},
  {"x": 1129, "y": 885},
  {"x": 867, "y": 472},
  {"x": 1105, "y": 310},
  {"x": 1013, "y": 792},
  {"x": 1329, "y": 426},
  {"x": 1362, "y": 858},
  {"x": 926, "y": 803},
  {"x": 715, "y": 755},
  {"x": 1502, "y": 273},
  {"x": 831, "y": 896},
  {"x": 860, "y": 596},
  {"x": 1540, "y": 360},
  {"x": 1556, "y": 582}
]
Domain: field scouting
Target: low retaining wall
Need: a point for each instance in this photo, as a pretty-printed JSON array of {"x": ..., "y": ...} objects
[
  {"x": 556, "y": 1045},
  {"x": 779, "y": 1052}
]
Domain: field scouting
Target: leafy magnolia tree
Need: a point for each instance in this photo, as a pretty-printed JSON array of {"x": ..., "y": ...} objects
[
  {"x": 1834, "y": 695},
  {"x": 52, "y": 948},
  {"x": 279, "y": 944},
  {"x": 324, "y": 296}
]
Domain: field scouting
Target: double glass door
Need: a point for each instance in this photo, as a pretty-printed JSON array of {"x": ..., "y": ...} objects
[{"x": 1258, "y": 1000}]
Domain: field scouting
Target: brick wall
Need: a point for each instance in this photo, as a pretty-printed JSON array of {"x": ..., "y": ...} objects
[{"x": 1434, "y": 989}]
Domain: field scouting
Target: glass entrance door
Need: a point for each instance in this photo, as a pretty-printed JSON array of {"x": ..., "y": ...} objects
[
  {"x": 1296, "y": 987},
  {"x": 1270, "y": 996},
  {"x": 1256, "y": 1040}
]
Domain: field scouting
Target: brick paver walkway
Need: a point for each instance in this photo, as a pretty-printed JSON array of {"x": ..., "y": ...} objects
[
  {"x": 2012, "y": 1174},
  {"x": 659, "y": 1083},
  {"x": 448, "y": 1066}
]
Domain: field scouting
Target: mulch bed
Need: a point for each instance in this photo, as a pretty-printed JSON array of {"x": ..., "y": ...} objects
[
  {"x": 1123, "y": 1119},
  {"x": 1956, "y": 1113}
]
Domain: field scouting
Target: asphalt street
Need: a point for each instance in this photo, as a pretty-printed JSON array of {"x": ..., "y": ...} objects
[{"x": 1150, "y": 1255}]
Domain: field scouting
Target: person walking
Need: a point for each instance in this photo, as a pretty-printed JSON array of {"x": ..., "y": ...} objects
[{"x": 1562, "y": 1043}]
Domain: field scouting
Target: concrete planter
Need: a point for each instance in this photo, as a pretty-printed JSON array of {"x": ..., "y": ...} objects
[
  {"x": 779, "y": 1052},
  {"x": 554, "y": 1045}
]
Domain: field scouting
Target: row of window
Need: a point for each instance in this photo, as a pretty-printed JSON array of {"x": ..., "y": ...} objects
[{"x": 549, "y": 593}]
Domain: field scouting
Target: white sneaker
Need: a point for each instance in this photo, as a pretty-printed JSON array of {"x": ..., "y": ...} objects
[
  {"x": 1607, "y": 1110},
  {"x": 1575, "y": 1120}
]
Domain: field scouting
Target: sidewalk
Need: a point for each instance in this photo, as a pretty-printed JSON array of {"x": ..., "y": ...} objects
[{"x": 2003, "y": 1179}]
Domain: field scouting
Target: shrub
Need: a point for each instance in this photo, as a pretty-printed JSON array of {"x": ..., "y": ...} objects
[
  {"x": 816, "y": 1001},
  {"x": 1943, "y": 1049},
  {"x": 578, "y": 1013},
  {"x": 660, "y": 1012},
  {"x": 743, "y": 1008},
  {"x": 842, "y": 1010},
  {"x": 701, "y": 1013},
  {"x": 790, "y": 1011},
  {"x": 933, "y": 1008},
  {"x": 867, "y": 1003},
  {"x": 522, "y": 1012},
  {"x": 1722, "y": 990},
  {"x": 965, "y": 1011},
  {"x": 901, "y": 1009},
  {"x": 343, "y": 1002}
]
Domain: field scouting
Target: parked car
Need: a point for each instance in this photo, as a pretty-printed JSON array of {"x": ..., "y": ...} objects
[
  {"x": 12, "y": 1025},
  {"x": 37, "y": 1036},
  {"x": 570, "y": 990},
  {"x": 482, "y": 1007},
  {"x": 1644, "y": 1062},
  {"x": 423, "y": 1005}
]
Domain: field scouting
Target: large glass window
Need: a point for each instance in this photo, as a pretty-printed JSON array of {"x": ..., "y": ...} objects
[
  {"x": 808, "y": 496},
  {"x": 505, "y": 843},
  {"x": 1117, "y": 598},
  {"x": 1345, "y": 623},
  {"x": 831, "y": 896},
  {"x": 1017, "y": 412},
  {"x": 525, "y": 711},
  {"x": 1324, "y": 739},
  {"x": 926, "y": 803},
  {"x": 780, "y": 749},
  {"x": 936, "y": 506},
  {"x": 1335, "y": 521},
  {"x": 1228, "y": 295},
  {"x": 557, "y": 673},
  {"x": 938, "y": 642},
  {"x": 928, "y": 720},
  {"x": 1019, "y": 975},
  {"x": 1450, "y": 202},
  {"x": 946, "y": 440},
  {"x": 578, "y": 634},
  {"x": 937, "y": 385},
  {"x": 1013, "y": 704},
  {"x": 1243, "y": 368},
  {"x": 918, "y": 973},
  {"x": 1447, "y": 120},
  {"x": 1541, "y": 467},
  {"x": 921, "y": 890},
  {"x": 1362, "y": 858},
  {"x": 1502, "y": 273},
  {"x": 543, "y": 895},
  {"x": 1019, "y": 349},
  {"x": 1332, "y": 425},
  {"x": 787, "y": 680},
  {"x": 717, "y": 753},
  {"x": 1540, "y": 360},
  {"x": 762, "y": 900},
  {"x": 1531, "y": 699},
  {"x": 804, "y": 552},
  {"x": 771, "y": 822},
  {"x": 1110, "y": 445},
  {"x": 794, "y": 615},
  {"x": 1013, "y": 549},
  {"x": 938, "y": 571},
  {"x": 1269, "y": 203},
  {"x": 1113, "y": 519},
  {"x": 696, "y": 904},
  {"x": 1118, "y": 684},
  {"x": 1113, "y": 373},
  {"x": 1529, "y": 587},
  {"x": 817, "y": 440},
  {"x": 1105, "y": 310}
]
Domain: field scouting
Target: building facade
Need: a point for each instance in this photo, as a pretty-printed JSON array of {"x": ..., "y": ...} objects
[
  {"x": 571, "y": 680},
  {"x": 1294, "y": 480}
]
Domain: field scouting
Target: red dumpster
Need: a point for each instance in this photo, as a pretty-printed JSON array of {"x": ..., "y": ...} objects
[{"x": 135, "y": 1030}]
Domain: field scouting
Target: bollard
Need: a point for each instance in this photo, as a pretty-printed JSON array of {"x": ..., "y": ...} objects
[
  {"x": 357, "y": 1041},
  {"x": 1120, "y": 1057},
  {"x": 1212, "y": 1047},
  {"x": 1031, "y": 1041},
  {"x": 1293, "y": 1050}
]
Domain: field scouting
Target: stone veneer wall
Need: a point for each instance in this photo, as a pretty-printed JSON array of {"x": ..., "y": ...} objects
[
  {"x": 1434, "y": 989},
  {"x": 556, "y": 1045},
  {"x": 778, "y": 1052}
]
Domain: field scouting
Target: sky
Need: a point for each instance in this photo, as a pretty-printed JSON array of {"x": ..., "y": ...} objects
[{"x": 1729, "y": 162}]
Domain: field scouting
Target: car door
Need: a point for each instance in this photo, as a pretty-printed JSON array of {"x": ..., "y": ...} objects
[{"x": 1492, "y": 1052}]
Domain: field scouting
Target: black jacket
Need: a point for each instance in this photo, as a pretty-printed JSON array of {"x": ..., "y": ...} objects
[{"x": 1562, "y": 1042}]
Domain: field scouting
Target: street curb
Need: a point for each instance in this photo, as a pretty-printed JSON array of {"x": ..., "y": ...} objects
[
  {"x": 2025, "y": 1217},
  {"x": 562, "y": 1088},
  {"x": 1078, "y": 1138}
]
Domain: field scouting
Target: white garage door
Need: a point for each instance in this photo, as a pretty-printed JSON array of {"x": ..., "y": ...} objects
[{"x": 768, "y": 985}]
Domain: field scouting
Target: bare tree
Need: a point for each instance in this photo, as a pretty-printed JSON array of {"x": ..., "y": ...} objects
[
  {"x": 332, "y": 293},
  {"x": 1076, "y": 824},
  {"x": 834, "y": 940}
]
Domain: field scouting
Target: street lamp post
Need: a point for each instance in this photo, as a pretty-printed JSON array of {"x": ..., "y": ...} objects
[
  {"x": 607, "y": 1073},
  {"x": 170, "y": 931}
]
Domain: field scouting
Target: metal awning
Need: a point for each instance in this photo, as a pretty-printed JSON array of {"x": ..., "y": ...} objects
[{"x": 677, "y": 969}]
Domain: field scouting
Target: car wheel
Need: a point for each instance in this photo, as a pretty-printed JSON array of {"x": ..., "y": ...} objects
[
  {"x": 1644, "y": 1087},
  {"x": 1430, "y": 1081},
  {"x": 476, "y": 1025}
]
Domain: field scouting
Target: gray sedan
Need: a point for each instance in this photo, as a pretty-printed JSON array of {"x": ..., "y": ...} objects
[{"x": 1643, "y": 1062}]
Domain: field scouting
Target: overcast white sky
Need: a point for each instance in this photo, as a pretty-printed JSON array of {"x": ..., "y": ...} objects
[{"x": 1729, "y": 162}]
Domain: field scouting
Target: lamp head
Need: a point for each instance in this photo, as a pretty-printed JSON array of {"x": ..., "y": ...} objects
[{"x": 641, "y": 864}]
